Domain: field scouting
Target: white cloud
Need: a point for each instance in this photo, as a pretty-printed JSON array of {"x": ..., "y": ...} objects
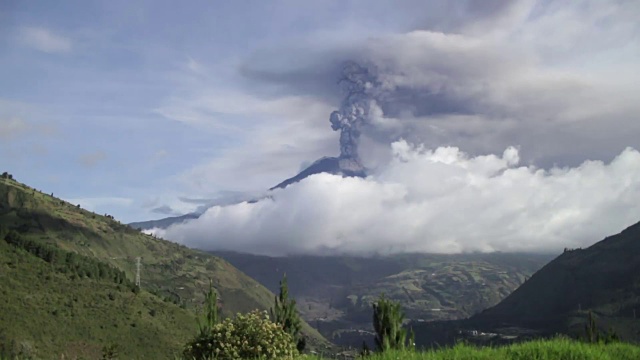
[
  {"x": 440, "y": 200},
  {"x": 45, "y": 40},
  {"x": 210, "y": 108},
  {"x": 10, "y": 128},
  {"x": 98, "y": 204},
  {"x": 195, "y": 66},
  {"x": 92, "y": 159},
  {"x": 273, "y": 137}
]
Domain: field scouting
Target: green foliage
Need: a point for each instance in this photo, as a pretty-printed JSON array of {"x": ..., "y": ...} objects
[
  {"x": 387, "y": 323},
  {"x": 286, "y": 315},
  {"x": 247, "y": 336}
]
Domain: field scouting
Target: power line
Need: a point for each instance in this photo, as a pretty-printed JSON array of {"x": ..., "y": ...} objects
[{"x": 138, "y": 271}]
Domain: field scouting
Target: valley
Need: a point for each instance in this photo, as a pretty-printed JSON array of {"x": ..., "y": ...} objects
[{"x": 335, "y": 294}]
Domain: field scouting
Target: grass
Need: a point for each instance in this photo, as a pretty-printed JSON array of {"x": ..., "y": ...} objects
[{"x": 555, "y": 349}]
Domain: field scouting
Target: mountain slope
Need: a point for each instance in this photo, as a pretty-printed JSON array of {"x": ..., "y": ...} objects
[
  {"x": 170, "y": 270},
  {"x": 330, "y": 165},
  {"x": 604, "y": 278},
  {"x": 163, "y": 223},
  {"x": 50, "y": 309}
]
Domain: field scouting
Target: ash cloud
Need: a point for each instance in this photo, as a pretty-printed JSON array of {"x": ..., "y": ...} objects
[
  {"x": 353, "y": 113},
  {"x": 476, "y": 136},
  {"x": 489, "y": 82}
]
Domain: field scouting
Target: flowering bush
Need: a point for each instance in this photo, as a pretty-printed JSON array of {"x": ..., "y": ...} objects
[{"x": 248, "y": 336}]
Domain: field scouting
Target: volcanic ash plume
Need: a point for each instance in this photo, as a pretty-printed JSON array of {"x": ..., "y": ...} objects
[
  {"x": 353, "y": 113},
  {"x": 359, "y": 84}
]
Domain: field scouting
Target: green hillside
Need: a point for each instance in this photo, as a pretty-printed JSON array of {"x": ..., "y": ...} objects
[
  {"x": 604, "y": 278},
  {"x": 175, "y": 273},
  {"x": 49, "y": 310}
]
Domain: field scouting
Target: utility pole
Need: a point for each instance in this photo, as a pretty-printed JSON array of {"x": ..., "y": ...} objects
[{"x": 138, "y": 271}]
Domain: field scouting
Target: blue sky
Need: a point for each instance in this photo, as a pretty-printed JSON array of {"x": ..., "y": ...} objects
[
  {"x": 145, "y": 109},
  {"x": 83, "y": 82}
]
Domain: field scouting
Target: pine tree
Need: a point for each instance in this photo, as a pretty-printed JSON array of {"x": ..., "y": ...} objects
[
  {"x": 593, "y": 335},
  {"x": 210, "y": 311},
  {"x": 387, "y": 323},
  {"x": 591, "y": 329},
  {"x": 285, "y": 314}
]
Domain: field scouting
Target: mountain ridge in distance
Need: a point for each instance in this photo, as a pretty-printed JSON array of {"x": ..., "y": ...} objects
[
  {"x": 330, "y": 165},
  {"x": 603, "y": 278},
  {"x": 343, "y": 166}
]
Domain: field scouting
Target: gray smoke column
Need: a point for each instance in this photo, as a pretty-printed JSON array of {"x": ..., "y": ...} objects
[
  {"x": 353, "y": 113},
  {"x": 360, "y": 85}
]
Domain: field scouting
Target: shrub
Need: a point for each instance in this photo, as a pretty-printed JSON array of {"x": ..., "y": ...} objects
[{"x": 248, "y": 336}]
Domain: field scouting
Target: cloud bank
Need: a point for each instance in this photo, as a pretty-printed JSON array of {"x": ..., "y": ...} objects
[{"x": 440, "y": 201}]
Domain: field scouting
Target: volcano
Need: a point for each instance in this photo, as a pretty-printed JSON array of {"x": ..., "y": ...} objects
[
  {"x": 342, "y": 165},
  {"x": 330, "y": 165},
  {"x": 349, "y": 119}
]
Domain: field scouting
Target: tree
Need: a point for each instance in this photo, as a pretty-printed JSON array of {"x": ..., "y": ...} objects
[
  {"x": 210, "y": 311},
  {"x": 387, "y": 323},
  {"x": 594, "y": 335},
  {"x": 285, "y": 314}
]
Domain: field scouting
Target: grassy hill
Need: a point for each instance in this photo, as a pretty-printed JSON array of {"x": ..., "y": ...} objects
[
  {"x": 172, "y": 272},
  {"x": 604, "y": 278},
  {"x": 48, "y": 310}
]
